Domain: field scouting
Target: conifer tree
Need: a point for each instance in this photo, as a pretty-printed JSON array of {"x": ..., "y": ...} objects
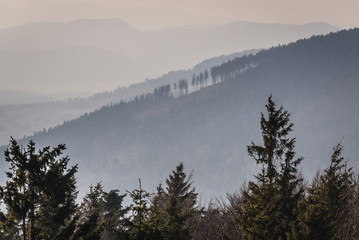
[
  {"x": 139, "y": 228},
  {"x": 114, "y": 216},
  {"x": 180, "y": 203},
  {"x": 173, "y": 208},
  {"x": 269, "y": 205},
  {"x": 206, "y": 76},
  {"x": 193, "y": 82},
  {"x": 40, "y": 192},
  {"x": 325, "y": 209},
  {"x": 101, "y": 215},
  {"x": 201, "y": 79},
  {"x": 156, "y": 217}
]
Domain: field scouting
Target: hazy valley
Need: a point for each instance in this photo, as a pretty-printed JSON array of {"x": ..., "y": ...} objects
[
  {"x": 48, "y": 62},
  {"x": 88, "y": 52},
  {"x": 177, "y": 120},
  {"x": 209, "y": 129}
]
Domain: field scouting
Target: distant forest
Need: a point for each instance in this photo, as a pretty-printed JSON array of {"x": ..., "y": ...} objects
[
  {"x": 40, "y": 197},
  {"x": 214, "y": 130},
  {"x": 208, "y": 128}
]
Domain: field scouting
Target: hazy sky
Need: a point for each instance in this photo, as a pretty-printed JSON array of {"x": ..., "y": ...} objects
[{"x": 153, "y": 14}]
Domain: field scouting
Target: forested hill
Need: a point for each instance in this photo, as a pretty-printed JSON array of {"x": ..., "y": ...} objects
[
  {"x": 24, "y": 119},
  {"x": 317, "y": 79}
]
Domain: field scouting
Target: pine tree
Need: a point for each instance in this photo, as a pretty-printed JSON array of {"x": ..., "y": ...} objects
[
  {"x": 156, "y": 218},
  {"x": 101, "y": 215},
  {"x": 139, "y": 228},
  {"x": 201, "y": 79},
  {"x": 259, "y": 215},
  {"x": 173, "y": 209},
  {"x": 324, "y": 212},
  {"x": 88, "y": 215},
  {"x": 114, "y": 216},
  {"x": 206, "y": 76},
  {"x": 40, "y": 192},
  {"x": 193, "y": 82},
  {"x": 269, "y": 205},
  {"x": 180, "y": 203}
]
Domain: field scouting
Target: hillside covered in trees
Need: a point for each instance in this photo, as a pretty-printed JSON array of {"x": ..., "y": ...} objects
[
  {"x": 208, "y": 130},
  {"x": 17, "y": 120},
  {"x": 40, "y": 191}
]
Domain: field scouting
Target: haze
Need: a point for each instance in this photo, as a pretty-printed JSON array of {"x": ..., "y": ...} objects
[
  {"x": 84, "y": 47},
  {"x": 155, "y": 14}
]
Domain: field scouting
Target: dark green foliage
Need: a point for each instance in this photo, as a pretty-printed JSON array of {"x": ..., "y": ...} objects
[
  {"x": 274, "y": 207},
  {"x": 139, "y": 228},
  {"x": 66, "y": 231},
  {"x": 180, "y": 200},
  {"x": 40, "y": 192},
  {"x": 156, "y": 221},
  {"x": 259, "y": 216},
  {"x": 269, "y": 205},
  {"x": 173, "y": 209},
  {"x": 326, "y": 210},
  {"x": 101, "y": 216},
  {"x": 322, "y": 70},
  {"x": 315, "y": 78}
]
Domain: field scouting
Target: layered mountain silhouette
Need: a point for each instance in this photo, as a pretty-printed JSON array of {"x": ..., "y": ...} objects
[
  {"x": 19, "y": 119},
  {"x": 317, "y": 79},
  {"x": 101, "y": 54},
  {"x": 81, "y": 67}
]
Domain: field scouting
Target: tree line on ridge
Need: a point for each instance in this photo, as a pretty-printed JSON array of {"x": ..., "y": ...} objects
[{"x": 40, "y": 198}]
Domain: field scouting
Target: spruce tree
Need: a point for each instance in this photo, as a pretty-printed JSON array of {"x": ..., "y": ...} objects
[
  {"x": 139, "y": 228},
  {"x": 101, "y": 215},
  {"x": 193, "y": 82},
  {"x": 180, "y": 203},
  {"x": 114, "y": 216},
  {"x": 206, "y": 76},
  {"x": 156, "y": 216},
  {"x": 325, "y": 210},
  {"x": 269, "y": 205},
  {"x": 40, "y": 191},
  {"x": 173, "y": 208}
]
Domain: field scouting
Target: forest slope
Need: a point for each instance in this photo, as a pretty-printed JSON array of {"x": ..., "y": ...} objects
[
  {"x": 317, "y": 79},
  {"x": 18, "y": 119}
]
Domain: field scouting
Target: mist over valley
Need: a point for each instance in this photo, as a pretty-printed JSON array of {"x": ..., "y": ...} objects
[
  {"x": 208, "y": 129},
  {"x": 158, "y": 120}
]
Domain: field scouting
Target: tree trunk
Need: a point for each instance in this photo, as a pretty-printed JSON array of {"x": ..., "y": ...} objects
[{"x": 24, "y": 227}]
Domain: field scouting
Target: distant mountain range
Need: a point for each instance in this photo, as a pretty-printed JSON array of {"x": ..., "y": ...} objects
[
  {"x": 317, "y": 79},
  {"x": 18, "y": 119},
  {"x": 13, "y": 97},
  {"x": 81, "y": 67},
  {"x": 101, "y": 54}
]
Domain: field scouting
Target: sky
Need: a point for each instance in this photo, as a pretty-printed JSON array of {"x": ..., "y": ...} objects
[{"x": 156, "y": 14}]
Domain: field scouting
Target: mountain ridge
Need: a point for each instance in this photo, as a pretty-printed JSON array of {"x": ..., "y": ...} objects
[
  {"x": 25, "y": 119},
  {"x": 51, "y": 71},
  {"x": 316, "y": 79},
  {"x": 161, "y": 51}
]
